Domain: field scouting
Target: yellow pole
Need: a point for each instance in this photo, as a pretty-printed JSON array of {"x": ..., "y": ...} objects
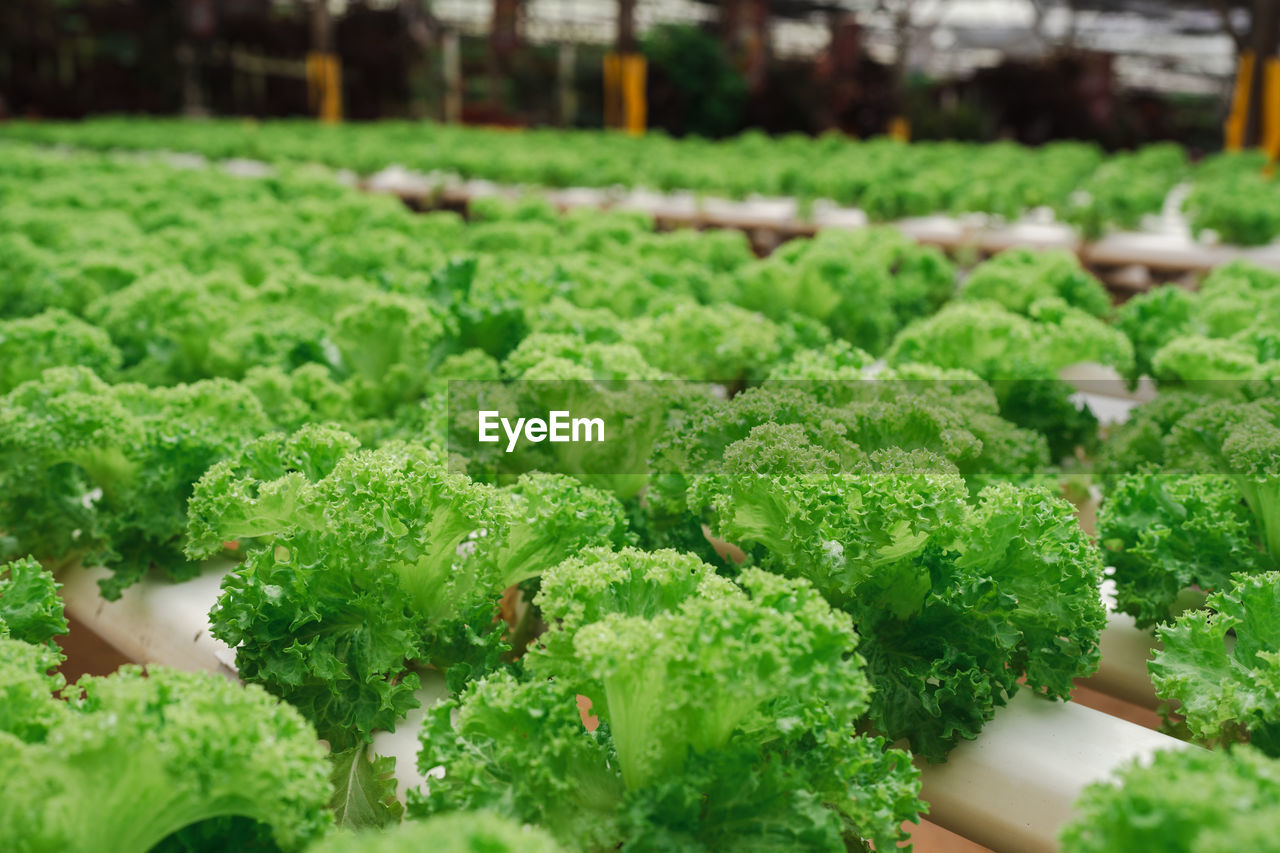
[
  {"x": 612, "y": 90},
  {"x": 324, "y": 86},
  {"x": 331, "y": 103},
  {"x": 1271, "y": 113},
  {"x": 634, "y": 104},
  {"x": 1234, "y": 127},
  {"x": 900, "y": 128}
]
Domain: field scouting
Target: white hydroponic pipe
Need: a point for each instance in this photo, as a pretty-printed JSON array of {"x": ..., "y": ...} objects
[
  {"x": 1163, "y": 245},
  {"x": 153, "y": 622},
  {"x": 1013, "y": 788},
  {"x": 1122, "y": 671},
  {"x": 402, "y": 744},
  {"x": 1125, "y": 649}
]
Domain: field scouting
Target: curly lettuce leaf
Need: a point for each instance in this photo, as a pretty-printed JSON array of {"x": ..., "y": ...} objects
[
  {"x": 1222, "y": 664},
  {"x": 364, "y": 789},
  {"x": 1167, "y": 533},
  {"x": 30, "y": 608},
  {"x": 129, "y": 759},
  {"x": 1178, "y": 803},
  {"x": 460, "y": 832},
  {"x": 726, "y": 718}
]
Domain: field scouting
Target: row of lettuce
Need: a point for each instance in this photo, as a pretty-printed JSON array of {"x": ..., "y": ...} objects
[
  {"x": 1096, "y": 192},
  {"x": 782, "y": 578}
]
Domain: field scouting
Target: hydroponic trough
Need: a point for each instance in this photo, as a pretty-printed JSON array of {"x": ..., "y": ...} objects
[{"x": 1010, "y": 790}]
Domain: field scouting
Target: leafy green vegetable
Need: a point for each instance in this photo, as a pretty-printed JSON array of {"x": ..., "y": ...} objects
[
  {"x": 954, "y": 603},
  {"x": 1176, "y": 803},
  {"x": 1223, "y": 331},
  {"x": 122, "y": 762},
  {"x": 998, "y": 344},
  {"x": 1234, "y": 199},
  {"x": 1241, "y": 441},
  {"x": 130, "y": 758},
  {"x": 951, "y": 413},
  {"x": 329, "y": 607},
  {"x": 1215, "y": 365},
  {"x": 863, "y": 286},
  {"x": 886, "y": 179},
  {"x": 101, "y": 473},
  {"x": 387, "y": 344},
  {"x": 305, "y": 395},
  {"x": 461, "y": 832},
  {"x": 1125, "y": 187},
  {"x": 264, "y": 489},
  {"x": 553, "y": 372},
  {"x": 30, "y": 609},
  {"x": 366, "y": 562},
  {"x": 308, "y": 357},
  {"x": 1141, "y": 441},
  {"x": 1222, "y": 664},
  {"x": 727, "y": 717},
  {"x": 1165, "y": 533},
  {"x": 1191, "y": 498},
  {"x": 1021, "y": 356},
  {"x": 1018, "y": 278},
  {"x": 1154, "y": 318},
  {"x": 364, "y": 789},
  {"x": 717, "y": 343},
  {"x": 553, "y": 515},
  {"x": 30, "y": 345}
]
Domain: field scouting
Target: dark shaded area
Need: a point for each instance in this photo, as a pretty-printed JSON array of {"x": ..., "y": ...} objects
[
  {"x": 70, "y": 58},
  {"x": 1070, "y": 96},
  {"x": 87, "y": 653},
  {"x": 693, "y": 86},
  {"x": 219, "y": 835}
]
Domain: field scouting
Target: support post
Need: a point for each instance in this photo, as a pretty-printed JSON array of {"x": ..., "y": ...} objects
[
  {"x": 626, "y": 26},
  {"x": 635, "y": 104},
  {"x": 565, "y": 78},
  {"x": 1271, "y": 112},
  {"x": 324, "y": 69},
  {"x": 450, "y": 56},
  {"x": 1237, "y": 122},
  {"x": 625, "y": 70}
]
